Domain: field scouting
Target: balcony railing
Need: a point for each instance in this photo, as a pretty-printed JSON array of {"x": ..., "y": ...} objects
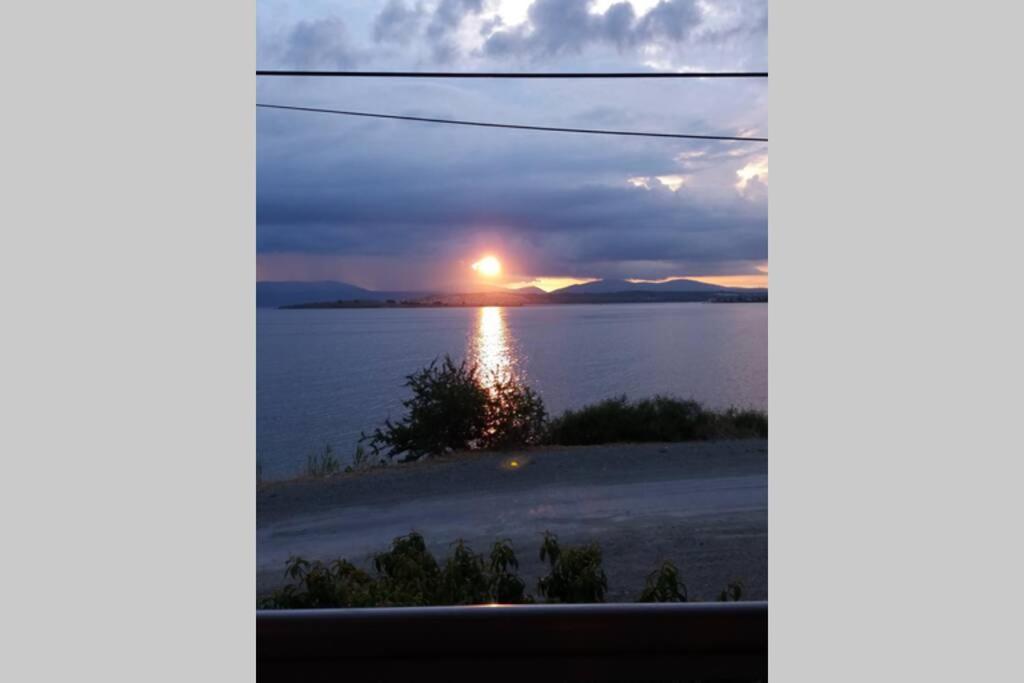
[{"x": 703, "y": 641}]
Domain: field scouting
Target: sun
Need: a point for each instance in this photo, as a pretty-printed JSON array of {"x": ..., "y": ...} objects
[{"x": 488, "y": 266}]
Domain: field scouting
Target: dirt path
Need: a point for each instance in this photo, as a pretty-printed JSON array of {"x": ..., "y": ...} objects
[{"x": 702, "y": 505}]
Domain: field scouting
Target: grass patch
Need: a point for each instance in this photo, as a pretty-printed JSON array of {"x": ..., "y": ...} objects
[{"x": 322, "y": 463}]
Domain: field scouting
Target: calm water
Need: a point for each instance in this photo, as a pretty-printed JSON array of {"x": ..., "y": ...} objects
[{"x": 325, "y": 375}]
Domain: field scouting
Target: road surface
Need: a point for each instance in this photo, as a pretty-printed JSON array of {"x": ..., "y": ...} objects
[{"x": 703, "y": 505}]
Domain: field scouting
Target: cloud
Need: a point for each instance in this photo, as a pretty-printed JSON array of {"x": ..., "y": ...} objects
[
  {"x": 321, "y": 43},
  {"x": 449, "y": 14},
  {"x": 396, "y": 204},
  {"x": 618, "y": 24},
  {"x": 669, "y": 20},
  {"x": 558, "y": 26},
  {"x": 754, "y": 172},
  {"x": 398, "y": 23},
  {"x": 673, "y": 182}
]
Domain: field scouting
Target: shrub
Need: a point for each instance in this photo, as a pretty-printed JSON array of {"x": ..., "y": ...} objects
[
  {"x": 576, "y": 574},
  {"x": 340, "y": 584},
  {"x": 663, "y": 585},
  {"x": 451, "y": 409},
  {"x": 655, "y": 419},
  {"x": 407, "y": 574},
  {"x": 734, "y": 423},
  {"x": 504, "y": 584},
  {"x": 322, "y": 463},
  {"x": 464, "y": 579},
  {"x": 515, "y": 415}
]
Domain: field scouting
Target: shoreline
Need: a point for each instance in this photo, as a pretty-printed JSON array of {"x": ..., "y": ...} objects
[{"x": 462, "y": 301}]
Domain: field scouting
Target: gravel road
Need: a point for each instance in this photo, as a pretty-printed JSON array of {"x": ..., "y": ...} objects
[{"x": 701, "y": 504}]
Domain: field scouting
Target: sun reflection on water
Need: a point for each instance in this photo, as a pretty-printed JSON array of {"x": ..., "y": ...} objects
[{"x": 491, "y": 348}]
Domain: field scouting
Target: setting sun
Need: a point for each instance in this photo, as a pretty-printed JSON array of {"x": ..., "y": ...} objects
[{"x": 488, "y": 266}]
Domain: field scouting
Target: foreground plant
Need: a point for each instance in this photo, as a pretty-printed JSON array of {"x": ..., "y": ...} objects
[
  {"x": 408, "y": 575},
  {"x": 663, "y": 585},
  {"x": 504, "y": 584},
  {"x": 576, "y": 573},
  {"x": 319, "y": 585}
]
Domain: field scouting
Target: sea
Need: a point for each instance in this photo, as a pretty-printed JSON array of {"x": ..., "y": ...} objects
[{"x": 325, "y": 376}]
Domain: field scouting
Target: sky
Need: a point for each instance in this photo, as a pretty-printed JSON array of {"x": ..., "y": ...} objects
[{"x": 400, "y": 205}]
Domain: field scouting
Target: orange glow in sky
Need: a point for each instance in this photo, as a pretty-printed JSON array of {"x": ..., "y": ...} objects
[
  {"x": 550, "y": 284},
  {"x": 759, "y": 280}
]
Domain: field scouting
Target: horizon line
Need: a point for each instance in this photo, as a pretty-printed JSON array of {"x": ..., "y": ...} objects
[{"x": 498, "y": 288}]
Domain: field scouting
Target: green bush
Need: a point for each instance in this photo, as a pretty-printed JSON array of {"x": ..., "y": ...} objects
[
  {"x": 339, "y": 584},
  {"x": 734, "y": 423},
  {"x": 663, "y": 585},
  {"x": 655, "y": 419},
  {"x": 452, "y": 409},
  {"x": 515, "y": 414},
  {"x": 504, "y": 584},
  {"x": 408, "y": 575},
  {"x": 575, "y": 573},
  {"x": 405, "y": 575},
  {"x": 464, "y": 579}
]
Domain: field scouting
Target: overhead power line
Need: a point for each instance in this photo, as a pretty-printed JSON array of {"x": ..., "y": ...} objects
[
  {"x": 482, "y": 124},
  {"x": 509, "y": 74}
]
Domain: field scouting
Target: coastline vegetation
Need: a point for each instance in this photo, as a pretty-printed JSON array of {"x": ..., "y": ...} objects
[
  {"x": 407, "y": 574},
  {"x": 662, "y": 418},
  {"x": 458, "y": 407},
  {"x": 322, "y": 463}
]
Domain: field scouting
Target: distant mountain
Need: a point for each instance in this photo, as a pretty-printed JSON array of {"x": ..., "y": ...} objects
[
  {"x": 328, "y": 294},
  {"x": 615, "y": 286},
  {"x": 490, "y": 287},
  {"x": 527, "y": 290},
  {"x": 271, "y": 294}
]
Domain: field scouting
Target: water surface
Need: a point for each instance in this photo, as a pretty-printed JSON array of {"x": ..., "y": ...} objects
[{"x": 323, "y": 376}]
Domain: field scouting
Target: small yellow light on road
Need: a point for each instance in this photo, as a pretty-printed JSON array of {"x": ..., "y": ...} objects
[{"x": 514, "y": 462}]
